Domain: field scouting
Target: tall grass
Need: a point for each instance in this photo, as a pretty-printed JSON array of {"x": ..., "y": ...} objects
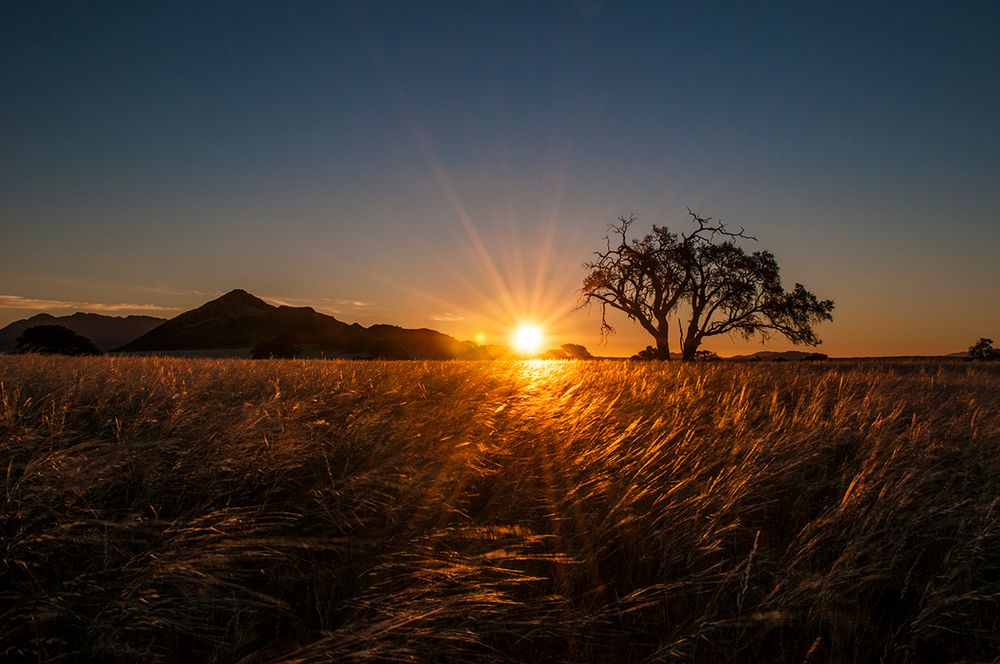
[{"x": 164, "y": 510}]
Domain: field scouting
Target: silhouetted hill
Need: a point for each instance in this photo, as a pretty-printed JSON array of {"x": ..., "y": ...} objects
[
  {"x": 397, "y": 342},
  {"x": 241, "y": 320},
  {"x": 778, "y": 356},
  {"x": 106, "y": 332}
]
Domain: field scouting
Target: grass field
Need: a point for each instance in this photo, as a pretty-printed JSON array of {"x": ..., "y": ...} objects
[{"x": 302, "y": 511}]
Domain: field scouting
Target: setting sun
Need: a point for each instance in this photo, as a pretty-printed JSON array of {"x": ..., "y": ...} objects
[{"x": 527, "y": 338}]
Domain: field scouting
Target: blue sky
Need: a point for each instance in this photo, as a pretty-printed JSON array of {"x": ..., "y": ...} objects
[{"x": 451, "y": 165}]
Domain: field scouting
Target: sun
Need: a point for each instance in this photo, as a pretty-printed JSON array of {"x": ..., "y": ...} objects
[{"x": 527, "y": 338}]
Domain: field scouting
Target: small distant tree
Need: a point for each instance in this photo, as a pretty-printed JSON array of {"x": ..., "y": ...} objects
[
  {"x": 647, "y": 353},
  {"x": 55, "y": 340},
  {"x": 984, "y": 350},
  {"x": 568, "y": 352},
  {"x": 284, "y": 347}
]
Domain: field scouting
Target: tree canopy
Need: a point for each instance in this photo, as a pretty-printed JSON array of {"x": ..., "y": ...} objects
[
  {"x": 704, "y": 281},
  {"x": 984, "y": 350},
  {"x": 568, "y": 352},
  {"x": 55, "y": 340}
]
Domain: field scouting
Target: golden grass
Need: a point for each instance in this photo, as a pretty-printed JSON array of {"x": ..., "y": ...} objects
[{"x": 164, "y": 510}]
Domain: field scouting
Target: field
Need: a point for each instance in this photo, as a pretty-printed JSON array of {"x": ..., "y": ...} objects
[{"x": 163, "y": 510}]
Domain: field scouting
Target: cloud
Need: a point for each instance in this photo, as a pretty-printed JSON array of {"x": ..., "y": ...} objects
[
  {"x": 327, "y": 304},
  {"x": 447, "y": 318},
  {"x": 41, "y": 304},
  {"x": 166, "y": 289}
]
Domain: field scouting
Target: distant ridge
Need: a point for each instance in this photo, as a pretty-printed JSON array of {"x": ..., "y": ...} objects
[
  {"x": 107, "y": 332},
  {"x": 779, "y": 356},
  {"x": 240, "y": 320}
]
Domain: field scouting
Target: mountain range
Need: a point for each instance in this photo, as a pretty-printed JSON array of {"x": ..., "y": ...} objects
[
  {"x": 107, "y": 332},
  {"x": 239, "y": 320},
  {"x": 236, "y": 322}
]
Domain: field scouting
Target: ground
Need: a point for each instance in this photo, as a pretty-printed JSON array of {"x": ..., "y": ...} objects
[{"x": 229, "y": 510}]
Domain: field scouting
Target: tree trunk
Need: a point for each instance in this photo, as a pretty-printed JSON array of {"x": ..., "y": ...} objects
[
  {"x": 690, "y": 347},
  {"x": 663, "y": 346}
]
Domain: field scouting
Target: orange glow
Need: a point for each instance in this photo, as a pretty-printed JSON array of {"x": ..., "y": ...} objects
[{"x": 527, "y": 339}]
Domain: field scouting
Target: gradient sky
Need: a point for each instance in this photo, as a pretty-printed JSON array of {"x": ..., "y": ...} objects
[{"x": 452, "y": 165}]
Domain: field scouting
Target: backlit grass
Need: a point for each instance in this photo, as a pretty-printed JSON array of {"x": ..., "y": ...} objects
[{"x": 164, "y": 510}]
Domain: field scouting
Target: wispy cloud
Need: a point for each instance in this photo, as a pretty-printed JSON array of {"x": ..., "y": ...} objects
[
  {"x": 328, "y": 304},
  {"x": 41, "y": 304},
  {"x": 165, "y": 289},
  {"x": 447, "y": 318}
]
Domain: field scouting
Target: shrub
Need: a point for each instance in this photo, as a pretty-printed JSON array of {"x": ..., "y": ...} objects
[
  {"x": 55, "y": 340},
  {"x": 984, "y": 350}
]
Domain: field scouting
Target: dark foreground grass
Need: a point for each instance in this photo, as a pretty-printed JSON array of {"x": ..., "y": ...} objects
[{"x": 192, "y": 510}]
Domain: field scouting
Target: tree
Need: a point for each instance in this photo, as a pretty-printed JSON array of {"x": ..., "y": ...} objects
[
  {"x": 705, "y": 276},
  {"x": 642, "y": 278},
  {"x": 984, "y": 350},
  {"x": 568, "y": 352},
  {"x": 55, "y": 340},
  {"x": 646, "y": 354}
]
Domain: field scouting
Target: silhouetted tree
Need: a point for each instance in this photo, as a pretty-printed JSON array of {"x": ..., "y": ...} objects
[
  {"x": 568, "y": 352},
  {"x": 640, "y": 277},
  {"x": 984, "y": 350},
  {"x": 723, "y": 288},
  {"x": 732, "y": 291},
  {"x": 55, "y": 340},
  {"x": 647, "y": 353},
  {"x": 283, "y": 347}
]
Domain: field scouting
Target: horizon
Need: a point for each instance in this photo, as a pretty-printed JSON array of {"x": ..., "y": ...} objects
[
  {"x": 509, "y": 343},
  {"x": 451, "y": 168}
]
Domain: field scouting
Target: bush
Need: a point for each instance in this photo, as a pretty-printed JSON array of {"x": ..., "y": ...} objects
[
  {"x": 568, "y": 352},
  {"x": 648, "y": 354},
  {"x": 55, "y": 340},
  {"x": 984, "y": 350}
]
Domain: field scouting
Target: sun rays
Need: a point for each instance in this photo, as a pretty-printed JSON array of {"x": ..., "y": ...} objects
[{"x": 527, "y": 339}]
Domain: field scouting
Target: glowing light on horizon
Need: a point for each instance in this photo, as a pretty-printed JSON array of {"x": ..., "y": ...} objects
[{"x": 527, "y": 339}]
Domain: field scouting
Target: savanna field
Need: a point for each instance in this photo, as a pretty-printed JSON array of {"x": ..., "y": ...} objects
[{"x": 163, "y": 510}]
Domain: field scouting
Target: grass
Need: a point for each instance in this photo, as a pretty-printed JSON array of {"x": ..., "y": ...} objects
[{"x": 164, "y": 510}]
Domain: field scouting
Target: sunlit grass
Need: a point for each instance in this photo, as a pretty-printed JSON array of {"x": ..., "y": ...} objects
[{"x": 165, "y": 510}]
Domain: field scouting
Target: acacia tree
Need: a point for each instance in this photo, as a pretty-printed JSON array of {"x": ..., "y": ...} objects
[
  {"x": 722, "y": 288},
  {"x": 984, "y": 350},
  {"x": 54, "y": 340},
  {"x": 643, "y": 277}
]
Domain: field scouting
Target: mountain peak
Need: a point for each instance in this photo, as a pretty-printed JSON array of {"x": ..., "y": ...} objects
[
  {"x": 240, "y": 321},
  {"x": 240, "y": 296},
  {"x": 235, "y": 302}
]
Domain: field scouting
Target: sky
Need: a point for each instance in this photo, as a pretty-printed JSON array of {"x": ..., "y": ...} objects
[{"x": 453, "y": 164}]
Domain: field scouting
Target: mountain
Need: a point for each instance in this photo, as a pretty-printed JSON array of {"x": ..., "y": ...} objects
[
  {"x": 106, "y": 332},
  {"x": 779, "y": 356},
  {"x": 239, "y": 320}
]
